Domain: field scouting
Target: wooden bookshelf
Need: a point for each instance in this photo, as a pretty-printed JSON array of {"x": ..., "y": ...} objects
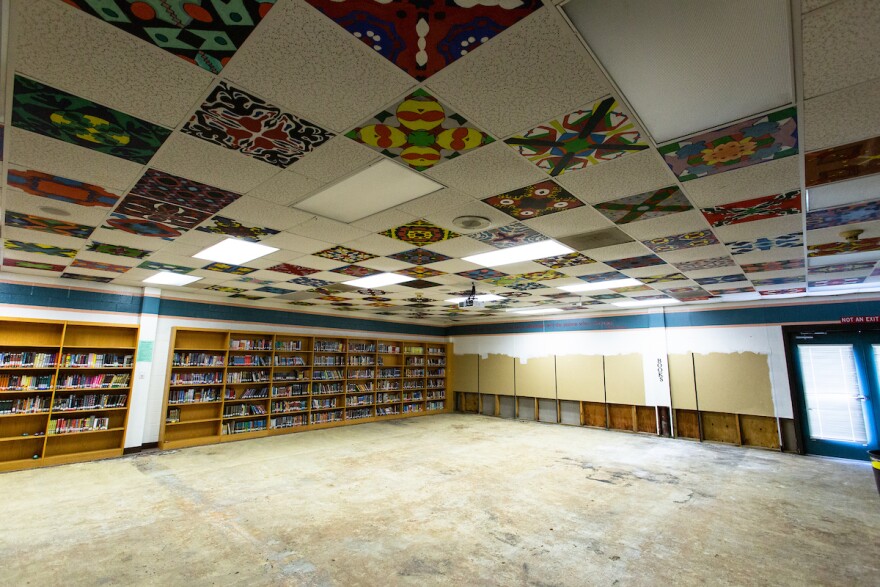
[
  {"x": 227, "y": 385},
  {"x": 65, "y": 390}
]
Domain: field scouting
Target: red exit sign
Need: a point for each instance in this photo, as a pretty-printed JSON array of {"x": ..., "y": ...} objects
[{"x": 860, "y": 320}]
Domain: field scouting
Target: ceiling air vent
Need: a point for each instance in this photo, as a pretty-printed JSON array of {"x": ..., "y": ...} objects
[{"x": 606, "y": 237}]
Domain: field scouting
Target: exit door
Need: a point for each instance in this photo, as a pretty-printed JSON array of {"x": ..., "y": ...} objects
[{"x": 838, "y": 377}]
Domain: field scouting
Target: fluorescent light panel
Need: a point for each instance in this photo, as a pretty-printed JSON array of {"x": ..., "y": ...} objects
[
  {"x": 376, "y": 188},
  {"x": 234, "y": 251},
  {"x": 646, "y": 303},
  {"x": 379, "y": 280},
  {"x": 169, "y": 278},
  {"x": 530, "y": 252},
  {"x": 601, "y": 285},
  {"x": 536, "y": 311},
  {"x": 479, "y": 298}
]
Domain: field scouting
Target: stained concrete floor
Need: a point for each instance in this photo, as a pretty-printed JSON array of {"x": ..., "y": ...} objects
[{"x": 444, "y": 500}]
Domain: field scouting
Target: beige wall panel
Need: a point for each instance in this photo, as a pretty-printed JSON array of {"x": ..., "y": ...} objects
[
  {"x": 464, "y": 373},
  {"x": 681, "y": 382},
  {"x": 625, "y": 379},
  {"x": 496, "y": 375},
  {"x": 536, "y": 378},
  {"x": 580, "y": 378},
  {"x": 737, "y": 383}
]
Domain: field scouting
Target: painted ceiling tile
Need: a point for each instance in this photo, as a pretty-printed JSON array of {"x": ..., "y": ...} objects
[
  {"x": 227, "y": 268},
  {"x": 421, "y": 38},
  {"x": 236, "y": 229},
  {"x": 83, "y": 277},
  {"x": 776, "y": 266},
  {"x": 840, "y": 268},
  {"x": 599, "y": 277},
  {"x": 98, "y": 266},
  {"x": 419, "y": 257},
  {"x": 612, "y": 296},
  {"x": 274, "y": 290},
  {"x": 791, "y": 240},
  {"x": 61, "y": 189},
  {"x": 754, "y": 209},
  {"x": 420, "y": 272},
  {"x": 688, "y": 240},
  {"x": 154, "y": 266},
  {"x": 703, "y": 264},
  {"x": 535, "y": 200},
  {"x": 420, "y": 132},
  {"x": 19, "y": 264},
  {"x": 293, "y": 269},
  {"x": 632, "y": 288},
  {"x": 255, "y": 280},
  {"x": 525, "y": 285},
  {"x": 512, "y": 235},
  {"x": 140, "y": 207},
  {"x": 50, "y": 225},
  {"x": 310, "y": 281},
  {"x": 118, "y": 250},
  {"x": 355, "y": 271},
  {"x": 653, "y": 204},
  {"x": 419, "y": 284},
  {"x": 842, "y": 215},
  {"x": 765, "y": 138},
  {"x": 732, "y": 290},
  {"x": 838, "y": 248},
  {"x": 345, "y": 255},
  {"x": 141, "y": 227},
  {"x": 777, "y": 280},
  {"x": 562, "y": 261},
  {"x": 204, "y": 33},
  {"x": 679, "y": 291},
  {"x": 663, "y": 278},
  {"x": 584, "y": 137},
  {"x": 636, "y": 262},
  {"x": 480, "y": 274},
  {"x": 225, "y": 289},
  {"x": 178, "y": 191},
  {"x": 732, "y": 278},
  {"x": 836, "y": 282},
  {"x": 419, "y": 233},
  {"x": 44, "y": 110},
  {"x": 779, "y": 292},
  {"x": 239, "y": 121},
  {"x": 844, "y": 162},
  {"x": 649, "y": 298}
]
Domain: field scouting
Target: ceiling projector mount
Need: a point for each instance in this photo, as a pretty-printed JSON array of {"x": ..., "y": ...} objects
[{"x": 471, "y": 300}]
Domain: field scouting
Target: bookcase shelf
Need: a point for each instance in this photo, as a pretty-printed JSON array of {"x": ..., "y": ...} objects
[
  {"x": 76, "y": 352},
  {"x": 322, "y": 374}
]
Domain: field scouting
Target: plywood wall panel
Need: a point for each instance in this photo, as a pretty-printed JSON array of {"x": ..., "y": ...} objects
[
  {"x": 580, "y": 378},
  {"x": 625, "y": 379},
  {"x": 497, "y": 375},
  {"x": 536, "y": 377},
  {"x": 464, "y": 373},
  {"x": 737, "y": 383},
  {"x": 681, "y": 382}
]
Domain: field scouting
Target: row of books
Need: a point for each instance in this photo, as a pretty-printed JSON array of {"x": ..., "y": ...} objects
[
  {"x": 434, "y": 350},
  {"x": 247, "y": 376},
  {"x": 436, "y": 362},
  {"x": 194, "y": 395},
  {"x": 413, "y": 384},
  {"x": 390, "y": 373},
  {"x": 291, "y": 375},
  {"x": 241, "y": 426},
  {"x": 25, "y": 405},
  {"x": 248, "y": 360},
  {"x": 325, "y": 417},
  {"x": 68, "y": 425},
  {"x": 435, "y": 406},
  {"x": 187, "y": 378},
  {"x": 329, "y": 361},
  {"x": 254, "y": 392},
  {"x": 389, "y": 349},
  {"x": 361, "y": 374},
  {"x": 96, "y": 360},
  {"x": 321, "y": 404},
  {"x": 289, "y": 361},
  {"x": 415, "y": 361},
  {"x": 387, "y": 398},
  {"x": 328, "y": 346},
  {"x": 197, "y": 360},
  {"x": 322, "y": 388},
  {"x": 15, "y": 382},
  {"x": 357, "y": 414},
  {"x": 327, "y": 374},
  {"x": 289, "y": 421},
  {"x": 100, "y": 380},
  {"x": 415, "y": 372},
  {"x": 244, "y": 344},
  {"x": 387, "y": 410},
  {"x": 356, "y": 387},
  {"x": 436, "y": 383},
  {"x": 243, "y": 410},
  {"x": 409, "y": 408},
  {"x": 441, "y": 372},
  {"x": 290, "y": 390},
  {"x": 28, "y": 359},
  {"x": 361, "y": 347},
  {"x": 435, "y": 394},
  {"x": 414, "y": 350},
  {"x": 359, "y": 400},
  {"x": 173, "y": 416},
  {"x": 88, "y": 401},
  {"x": 361, "y": 360},
  {"x": 288, "y": 345},
  {"x": 289, "y": 406},
  {"x": 389, "y": 385}
]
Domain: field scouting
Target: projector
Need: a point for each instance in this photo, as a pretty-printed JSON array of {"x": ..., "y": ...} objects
[{"x": 471, "y": 304}]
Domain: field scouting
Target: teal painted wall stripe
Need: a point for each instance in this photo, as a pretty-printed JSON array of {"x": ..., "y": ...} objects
[{"x": 57, "y": 297}]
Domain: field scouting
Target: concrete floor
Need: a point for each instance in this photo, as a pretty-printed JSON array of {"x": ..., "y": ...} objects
[{"x": 457, "y": 499}]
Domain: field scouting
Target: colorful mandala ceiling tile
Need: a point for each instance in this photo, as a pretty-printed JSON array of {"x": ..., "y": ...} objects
[
  {"x": 355, "y": 271},
  {"x": 345, "y": 255},
  {"x": 239, "y": 121},
  {"x": 542, "y": 275},
  {"x": 97, "y": 266},
  {"x": 844, "y": 162},
  {"x": 118, "y": 250},
  {"x": 421, "y": 38},
  {"x": 779, "y": 292},
  {"x": 599, "y": 277},
  {"x": 83, "y": 277},
  {"x": 310, "y": 281},
  {"x": 420, "y": 132},
  {"x": 153, "y": 266},
  {"x": 526, "y": 286},
  {"x": 636, "y": 262},
  {"x": 236, "y": 229},
  {"x": 61, "y": 189},
  {"x": 419, "y": 257},
  {"x": 612, "y": 296},
  {"x": 663, "y": 278},
  {"x": 584, "y": 137},
  {"x": 186, "y": 193},
  {"x": 274, "y": 290},
  {"x": 733, "y": 278},
  {"x": 512, "y": 235},
  {"x": 765, "y": 138},
  {"x": 562, "y": 261},
  {"x": 653, "y": 204},
  {"x": 732, "y": 290},
  {"x": 842, "y": 215},
  {"x": 840, "y": 267},
  {"x": 838, "y": 248},
  {"x": 776, "y": 266},
  {"x": 419, "y": 233},
  {"x": 755, "y": 209},
  {"x": 419, "y": 284},
  {"x": 480, "y": 274},
  {"x": 293, "y": 269},
  {"x": 225, "y": 289},
  {"x": 255, "y": 280},
  {"x": 19, "y": 264},
  {"x": 836, "y": 282},
  {"x": 702, "y": 264},
  {"x": 226, "y": 268},
  {"x": 684, "y": 291},
  {"x": 785, "y": 241},
  {"x": 649, "y": 298},
  {"x": 777, "y": 280},
  {"x": 204, "y": 33},
  {"x": 50, "y": 225},
  {"x": 59, "y": 115},
  {"x": 141, "y": 227},
  {"x": 688, "y": 240},
  {"x": 535, "y": 200},
  {"x": 420, "y": 272},
  {"x": 139, "y": 207}
]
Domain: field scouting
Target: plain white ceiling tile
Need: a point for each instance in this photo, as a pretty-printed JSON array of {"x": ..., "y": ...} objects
[
  {"x": 252, "y": 211},
  {"x": 315, "y": 262},
  {"x": 445, "y": 199},
  {"x": 377, "y": 244},
  {"x": 699, "y": 65},
  {"x": 321, "y": 228},
  {"x": 488, "y": 171},
  {"x": 755, "y": 181},
  {"x": 844, "y": 192},
  {"x": 385, "y": 264},
  {"x": 285, "y": 188},
  {"x": 841, "y": 117},
  {"x": 462, "y": 246},
  {"x": 385, "y": 220},
  {"x": 568, "y": 222},
  {"x": 338, "y": 157},
  {"x": 453, "y": 266},
  {"x": 622, "y": 251},
  {"x": 680, "y": 223},
  {"x": 497, "y": 92},
  {"x": 810, "y": 5},
  {"x": 631, "y": 174},
  {"x": 839, "y": 46},
  {"x": 18, "y": 201},
  {"x": 288, "y": 241},
  {"x": 334, "y": 80}
]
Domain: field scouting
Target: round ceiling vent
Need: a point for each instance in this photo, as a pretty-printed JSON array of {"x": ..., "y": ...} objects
[
  {"x": 54, "y": 211},
  {"x": 471, "y": 222}
]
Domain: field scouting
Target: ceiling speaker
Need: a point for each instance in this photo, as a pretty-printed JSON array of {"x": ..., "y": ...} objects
[{"x": 471, "y": 222}]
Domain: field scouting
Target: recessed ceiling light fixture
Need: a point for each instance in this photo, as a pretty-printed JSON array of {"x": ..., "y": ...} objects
[
  {"x": 479, "y": 298},
  {"x": 536, "y": 311},
  {"x": 646, "y": 303},
  {"x": 376, "y": 188},
  {"x": 379, "y": 280},
  {"x": 234, "y": 251},
  {"x": 530, "y": 252},
  {"x": 169, "y": 278},
  {"x": 601, "y": 285}
]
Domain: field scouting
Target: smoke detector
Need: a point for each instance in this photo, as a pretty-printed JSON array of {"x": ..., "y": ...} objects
[
  {"x": 851, "y": 235},
  {"x": 471, "y": 222}
]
